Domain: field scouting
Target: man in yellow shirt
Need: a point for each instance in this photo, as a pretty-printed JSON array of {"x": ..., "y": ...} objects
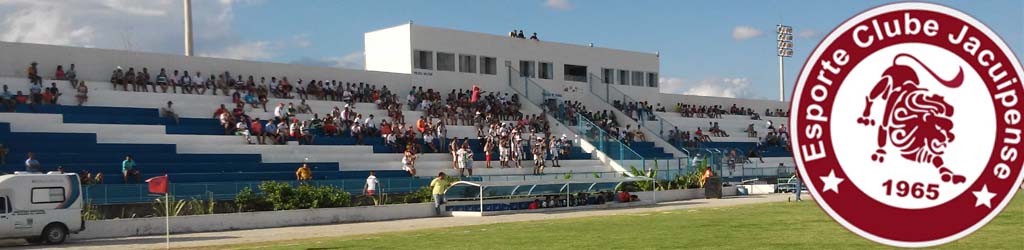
[
  {"x": 304, "y": 173},
  {"x": 439, "y": 185}
]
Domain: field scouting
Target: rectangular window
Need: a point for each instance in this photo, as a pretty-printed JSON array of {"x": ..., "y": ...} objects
[
  {"x": 546, "y": 71},
  {"x": 526, "y": 69},
  {"x": 3, "y": 205},
  {"x": 623, "y": 77},
  {"x": 638, "y": 78},
  {"x": 607, "y": 76},
  {"x": 652, "y": 80},
  {"x": 467, "y": 63},
  {"x": 445, "y": 61},
  {"x": 47, "y": 195},
  {"x": 575, "y": 73},
  {"x": 488, "y": 65},
  {"x": 423, "y": 59}
]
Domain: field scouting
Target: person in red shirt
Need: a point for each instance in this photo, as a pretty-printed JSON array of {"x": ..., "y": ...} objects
[
  {"x": 59, "y": 74},
  {"x": 21, "y": 98},
  {"x": 476, "y": 94},
  {"x": 47, "y": 97},
  {"x": 385, "y": 128},
  {"x": 421, "y": 125},
  {"x": 221, "y": 110},
  {"x": 329, "y": 127},
  {"x": 256, "y": 129}
]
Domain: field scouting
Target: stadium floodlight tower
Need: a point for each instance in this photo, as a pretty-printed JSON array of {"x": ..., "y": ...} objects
[
  {"x": 188, "y": 27},
  {"x": 785, "y": 49}
]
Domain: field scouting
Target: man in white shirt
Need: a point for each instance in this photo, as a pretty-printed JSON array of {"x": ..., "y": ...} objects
[
  {"x": 279, "y": 110},
  {"x": 242, "y": 129},
  {"x": 346, "y": 116},
  {"x": 199, "y": 83},
  {"x": 370, "y": 126},
  {"x": 273, "y": 86},
  {"x": 370, "y": 188}
]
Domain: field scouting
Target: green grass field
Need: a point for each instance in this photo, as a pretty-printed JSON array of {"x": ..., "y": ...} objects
[{"x": 780, "y": 225}]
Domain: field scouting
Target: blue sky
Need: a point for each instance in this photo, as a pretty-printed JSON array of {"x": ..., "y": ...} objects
[{"x": 697, "y": 40}]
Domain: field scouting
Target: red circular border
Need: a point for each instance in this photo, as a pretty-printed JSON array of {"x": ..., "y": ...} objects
[{"x": 871, "y": 216}]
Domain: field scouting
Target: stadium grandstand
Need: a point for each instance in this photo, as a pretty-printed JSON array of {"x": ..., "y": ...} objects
[{"x": 205, "y": 122}]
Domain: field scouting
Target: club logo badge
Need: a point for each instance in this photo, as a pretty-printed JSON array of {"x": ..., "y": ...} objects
[{"x": 906, "y": 124}]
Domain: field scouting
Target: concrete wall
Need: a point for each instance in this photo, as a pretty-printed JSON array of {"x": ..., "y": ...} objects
[
  {"x": 254, "y": 220},
  {"x": 387, "y": 50},
  {"x": 759, "y": 188},
  {"x": 671, "y": 195},
  {"x": 97, "y": 64},
  {"x": 271, "y": 219}
]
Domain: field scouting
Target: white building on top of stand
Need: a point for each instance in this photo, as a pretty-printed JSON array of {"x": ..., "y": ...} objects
[{"x": 447, "y": 58}]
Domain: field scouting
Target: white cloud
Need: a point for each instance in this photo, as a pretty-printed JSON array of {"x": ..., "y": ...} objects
[
  {"x": 808, "y": 33},
  {"x": 301, "y": 41},
  {"x": 352, "y": 60},
  {"x": 558, "y": 4},
  {"x": 152, "y": 26},
  {"x": 738, "y": 87},
  {"x": 745, "y": 32}
]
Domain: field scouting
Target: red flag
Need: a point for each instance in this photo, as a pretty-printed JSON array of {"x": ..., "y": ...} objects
[{"x": 157, "y": 185}]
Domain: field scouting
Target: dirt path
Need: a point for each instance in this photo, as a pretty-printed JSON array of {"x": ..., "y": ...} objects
[{"x": 291, "y": 233}]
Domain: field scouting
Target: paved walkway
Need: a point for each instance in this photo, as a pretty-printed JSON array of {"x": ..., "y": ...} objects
[{"x": 302, "y": 232}]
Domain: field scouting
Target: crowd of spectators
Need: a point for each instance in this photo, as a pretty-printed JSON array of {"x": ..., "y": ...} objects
[
  {"x": 600, "y": 121},
  {"x": 638, "y": 111},
  {"x": 495, "y": 116}
]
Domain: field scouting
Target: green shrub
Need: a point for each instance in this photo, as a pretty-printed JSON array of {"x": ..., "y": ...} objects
[
  {"x": 247, "y": 201},
  {"x": 421, "y": 195},
  {"x": 91, "y": 212},
  {"x": 161, "y": 206},
  {"x": 283, "y": 196},
  {"x": 279, "y": 194},
  {"x": 309, "y": 196}
]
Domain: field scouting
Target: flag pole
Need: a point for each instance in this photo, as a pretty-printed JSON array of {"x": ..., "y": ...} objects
[{"x": 167, "y": 217}]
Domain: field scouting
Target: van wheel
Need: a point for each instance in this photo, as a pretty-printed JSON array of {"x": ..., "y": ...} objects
[{"x": 55, "y": 234}]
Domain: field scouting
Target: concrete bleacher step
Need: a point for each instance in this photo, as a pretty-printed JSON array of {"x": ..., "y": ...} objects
[
  {"x": 732, "y": 124},
  {"x": 107, "y": 112}
]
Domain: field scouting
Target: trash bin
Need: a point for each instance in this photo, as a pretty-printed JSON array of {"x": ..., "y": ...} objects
[{"x": 713, "y": 188}]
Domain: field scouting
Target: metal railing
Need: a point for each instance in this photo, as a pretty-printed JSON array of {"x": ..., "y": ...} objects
[
  {"x": 648, "y": 119},
  {"x": 620, "y": 152}
]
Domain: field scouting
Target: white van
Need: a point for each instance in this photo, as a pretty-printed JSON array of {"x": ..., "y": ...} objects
[{"x": 41, "y": 208}]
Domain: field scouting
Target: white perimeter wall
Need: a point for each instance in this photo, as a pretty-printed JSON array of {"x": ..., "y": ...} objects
[
  {"x": 97, "y": 64},
  {"x": 271, "y": 219},
  {"x": 253, "y": 220}
]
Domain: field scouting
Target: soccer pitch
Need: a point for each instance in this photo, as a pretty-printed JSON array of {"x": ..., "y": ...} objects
[{"x": 777, "y": 225}]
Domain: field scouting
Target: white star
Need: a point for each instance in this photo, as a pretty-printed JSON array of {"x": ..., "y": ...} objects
[
  {"x": 984, "y": 197},
  {"x": 831, "y": 182}
]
